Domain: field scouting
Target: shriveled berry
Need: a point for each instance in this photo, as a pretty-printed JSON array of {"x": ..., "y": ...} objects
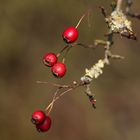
[
  {"x": 49, "y": 59},
  {"x": 70, "y": 34},
  {"x": 45, "y": 126},
  {"x": 59, "y": 69},
  {"x": 38, "y": 117}
]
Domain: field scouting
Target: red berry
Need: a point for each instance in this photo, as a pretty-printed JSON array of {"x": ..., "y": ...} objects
[
  {"x": 70, "y": 34},
  {"x": 59, "y": 69},
  {"x": 49, "y": 59},
  {"x": 38, "y": 117},
  {"x": 45, "y": 126}
]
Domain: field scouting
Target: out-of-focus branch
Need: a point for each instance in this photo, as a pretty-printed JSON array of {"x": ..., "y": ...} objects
[{"x": 129, "y": 11}]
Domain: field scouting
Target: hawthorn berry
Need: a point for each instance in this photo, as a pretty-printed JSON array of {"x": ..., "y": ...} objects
[
  {"x": 49, "y": 59},
  {"x": 59, "y": 69},
  {"x": 38, "y": 117},
  {"x": 70, "y": 34},
  {"x": 45, "y": 126}
]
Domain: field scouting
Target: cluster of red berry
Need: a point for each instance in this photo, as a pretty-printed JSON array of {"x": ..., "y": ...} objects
[
  {"x": 69, "y": 35},
  {"x": 39, "y": 118}
]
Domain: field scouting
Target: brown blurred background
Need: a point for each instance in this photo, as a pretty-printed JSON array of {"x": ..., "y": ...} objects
[{"x": 28, "y": 29}]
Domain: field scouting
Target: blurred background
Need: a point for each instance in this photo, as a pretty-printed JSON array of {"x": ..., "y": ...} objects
[{"x": 29, "y": 29}]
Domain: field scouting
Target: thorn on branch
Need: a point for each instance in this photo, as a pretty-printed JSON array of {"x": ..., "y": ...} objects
[{"x": 103, "y": 11}]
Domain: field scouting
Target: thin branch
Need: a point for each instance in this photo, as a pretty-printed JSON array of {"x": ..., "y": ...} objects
[
  {"x": 53, "y": 84},
  {"x": 86, "y": 46},
  {"x": 80, "y": 21},
  {"x": 52, "y": 103},
  {"x": 63, "y": 49},
  {"x": 128, "y": 10},
  {"x": 119, "y": 3},
  {"x": 133, "y": 15},
  {"x": 55, "y": 97},
  {"x": 103, "y": 11}
]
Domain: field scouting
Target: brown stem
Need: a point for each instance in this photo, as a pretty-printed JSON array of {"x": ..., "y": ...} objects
[
  {"x": 54, "y": 84},
  {"x": 103, "y": 11},
  {"x": 80, "y": 21},
  {"x": 119, "y": 3},
  {"x": 58, "y": 54},
  {"x": 86, "y": 46},
  {"x": 55, "y": 97},
  {"x": 52, "y": 103}
]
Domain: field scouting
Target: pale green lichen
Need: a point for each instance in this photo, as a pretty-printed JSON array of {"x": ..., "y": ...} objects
[
  {"x": 118, "y": 22},
  {"x": 94, "y": 72}
]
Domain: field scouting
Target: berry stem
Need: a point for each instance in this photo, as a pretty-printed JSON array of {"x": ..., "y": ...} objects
[
  {"x": 58, "y": 54},
  {"x": 50, "y": 106},
  {"x": 80, "y": 20},
  {"x": 63, "y": 60},
  {"x": 66, "y": 53},
  {"x": 55, "y": 97}
]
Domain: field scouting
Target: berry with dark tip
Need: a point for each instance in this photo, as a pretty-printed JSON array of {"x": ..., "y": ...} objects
[
  {"x": 49, "y": 59},
  {"x": 70, "y": 34},
  {"x": 38, "y": 117},
  {"x": 45, "y": 126},
  {"x": 59, "y": 69}
]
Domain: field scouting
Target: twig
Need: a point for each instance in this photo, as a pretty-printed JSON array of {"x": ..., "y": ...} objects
[
  {"x": 103, "y": 11},
  {"x": 53, "y": 84},
  {"x": 86, "y": 46},
  {"x": 119, "y": 3},
  {"x": 133, "y": 15},
  {"x": 52, "y": 103},
  {"x": 55, "y": 97},
  {"x": 128, "y": 10},
  {"x": 80, "y": 21},
  {"x": 63, "y": 49}
]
